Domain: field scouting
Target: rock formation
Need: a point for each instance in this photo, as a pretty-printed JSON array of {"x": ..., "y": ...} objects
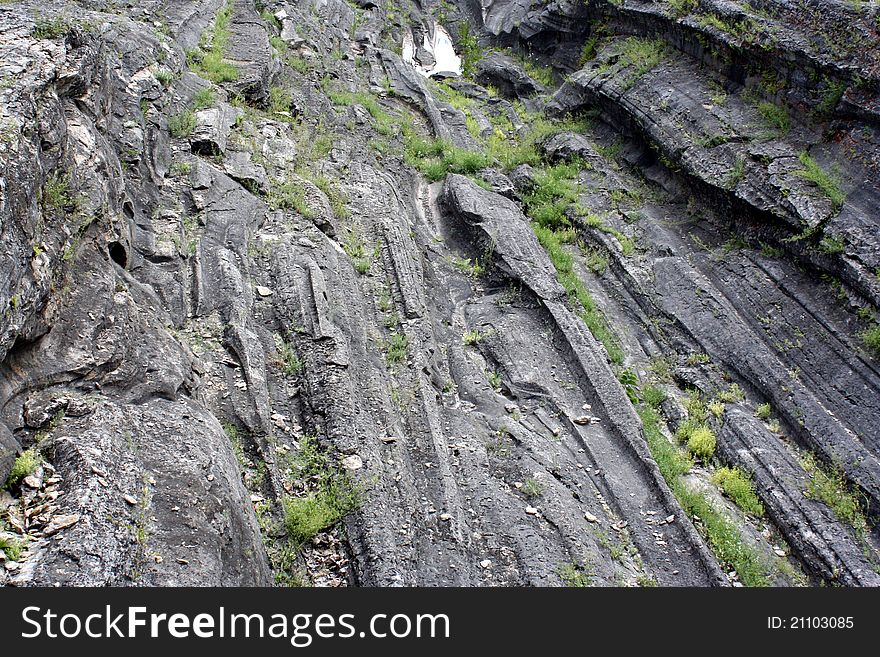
[{"x": 280, "y": 309}]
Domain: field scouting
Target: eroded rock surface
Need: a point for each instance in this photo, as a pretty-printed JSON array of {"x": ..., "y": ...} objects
[{"x": 251, "y": 256}]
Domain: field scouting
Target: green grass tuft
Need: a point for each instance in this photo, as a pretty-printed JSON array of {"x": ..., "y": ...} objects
[
  {"x": 182, "y": 124},
  {"x": 871, "y": 338},
  {"x": 701, "y": 442},
  {"x": 738, "y": 486},
  {"x": 208, "y": 60},
  {"x": 775, "y": 116},
  {"x": 203, "y": 99},
  {"x": 49, "y": 28},
  {"x": 329, "y": 494},
  {"x": 26, "y": 464},
  {"x": 829, "y": 183},
  {"x": 830, "y": 486},
  {"x": 724, "y": 538},
  {"x": 304, "y": 517},
  {"x": 575, "y": 575}
]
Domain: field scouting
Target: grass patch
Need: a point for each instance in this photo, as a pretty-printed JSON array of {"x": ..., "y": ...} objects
[
  {"x": 469, "y": 49},
  {"x": 56, "y": 193},
  {"x": 280, "y": 100},
  {"x": 435, "y": 158},
  {"x": 203, "y": 99},
  {"x": 575, "y": 575},
  {"x": 775, "y": 116},
  {"x": 554, "y": 242},
  {"x": 828, "y": 103},
  {"x": 49, "y": 28},
  {"x": 640, "y": 55},
  {"x": 701, "y": 442},
  {"x": 716, "y": 408},
  {"x": 182, "y": 124},
  {"x": 208, "y": 59},
  {"x": 672, "y": 461},
  {"x": 733, "y": 394},
  {"x": 385, "y": 124},
  {"x": 290, "y": 195},
  {"x": 329, "y": 494},
  {"x": 829, "y": 183},
  {"x": 532, "y": 488},
  {"x": 737, "y": 172},
  {"x": 871, "y": 338},
  {"x": 290, "y": 362},
  {"x": 494, "y": 378},
  {"x": 396, "y": 348},
  {"x": 25, "y": 465},
  {"x": 164, "y": 77},
  {"x": 12, "y": 547},
  {"x": 829, "y": 486},
  {"x": 738, "y": 486},
  {"x": 470, "y": 338},
  {"x": 724, "y": 538},
  {"x": 679, "y": 8}
]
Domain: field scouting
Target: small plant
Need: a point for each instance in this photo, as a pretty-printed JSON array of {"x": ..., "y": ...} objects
[
  {"x": 679, "y": 8},
  {"x": 290, "y": 195},
  {"x": 716, "y": 408},
  {"x": 738, "y": 486},
  {"x": 661, "y": 368},
  {"x": 328, "y": 493},
  {"x": 641, "y": 55},
  {"x": 280, "y": 100},
  {"x": 25, "y": 465},
  {"x": 470, "y": 338},
  {"x": 733, "y": 394},
  {"x": 630, "y": 382},
  {"x": 11, "y": 547},
  {"x": 774, "y": 425},
  {"x": 737, "y": 172},
  {"x": 396, "y": 348},
  {"x": 164, "y": 77},
  {"x": 305, "y": 516},
  {"x": 472, "y": 268},
  {"x": 362, "y": 266},
  {"x": 532, "y": 488},
  {"x": 290, "y": 362},
  {"x": 299, "y": 64},
  {"x": 178, "y": 169},
  {"x": 775, "y": 116},
  {"x": 830, "y": 99},
  {"x": 208, "y": 60},
  {"x": 49, "y": 28},
  {"x": 832, "y": 245},
  {"x": 56, "y": 193},
  {"x": 701, "y": 443},
  {"x": 763, "y": 412},
  {"x": 182, "y": 124},
  {"x": 589, "y": 50},
  {"x": 829, "y": 486},
  {"x": 672, "y": 461},
  {"x": 829, "y": 183},
  {"x": 575, "y": 575},
  {"x": 471, "y": 52},
  {"x": 653, "y": 396},
  {"x": 698, "y": 358},
  {"x": 596, "y": 261},
  {"x": 871, "y": 338},
  {"x": 494, "y": 378},
  {"x": 203, "y": 99}
]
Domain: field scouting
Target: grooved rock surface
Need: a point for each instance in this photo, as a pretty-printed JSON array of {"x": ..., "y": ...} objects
[{"x": 277, "y": 309}]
